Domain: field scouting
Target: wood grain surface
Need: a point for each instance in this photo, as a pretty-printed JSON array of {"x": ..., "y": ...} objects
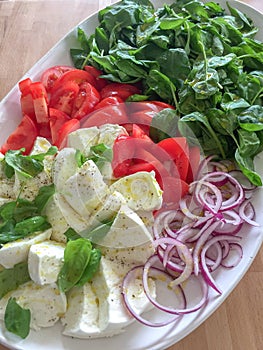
[{"x": 28, "y": 29}]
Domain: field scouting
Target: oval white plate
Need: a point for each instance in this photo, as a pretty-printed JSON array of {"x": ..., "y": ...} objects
[{"x": 137, "y": 336}]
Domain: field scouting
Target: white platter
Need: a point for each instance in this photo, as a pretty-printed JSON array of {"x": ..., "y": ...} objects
[{"x": 136, "y": 337}]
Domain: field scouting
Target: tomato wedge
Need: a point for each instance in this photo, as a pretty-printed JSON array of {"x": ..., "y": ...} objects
[
  {"x": 173, "y": 190},
  {"x": 22, "y": 137},
  {"x": 26, "y": 99},
  {"x": 77, "y": 76},
  {"x": 114, "y": 114},
  {"x": 68, "y": 127},
  {"x": 194, "y": 161},
  {"x": 121, "y": 90},
  {"x": 64, "y": 96},
  {"x": 108, "y": 101},
  {"x": 40, "y": 102},
  {"x": 50, "y": 75},
  {"x": 57, "y": 119},
  {"x": 84, "y": 103}
]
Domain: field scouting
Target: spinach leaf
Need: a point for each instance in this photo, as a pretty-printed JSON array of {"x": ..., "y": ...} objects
[
  {"x": 247, "y": 166},
  {"x": 251, "y": 119},
  {"x": 100, "y": 154},
  {"x": 17, "y": 319}
]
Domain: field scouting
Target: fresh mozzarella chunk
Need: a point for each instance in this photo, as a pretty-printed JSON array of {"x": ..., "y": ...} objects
[
  {"x": 127, "y": 230},
  {"x": 106, "y": 210},
  {"x": 83, "y": 139},
  {"x": 109, "y": 132},
  {"x": 41, "y": 145},
  {"x": 7, "y": 189},
  {"x": 56, "y": 218},
  {"x": 85, "y": 190},
  {"x": 141, "y": 191},
  {"x": 65, "y": 165},
  {"x": 113, "y": 315},
  {"x": 17, "y": 251},
  {"x": 28, "y": 188},
  {"x": 46, "y": 303},
  {"x": 129, "y": 256},
  {"x": 45, "y": 260},
  {"x": 73, "y": 219},
  {"x": 81, "y": 318}
]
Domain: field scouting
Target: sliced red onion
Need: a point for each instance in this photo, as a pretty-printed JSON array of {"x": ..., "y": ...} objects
[
  {"x": 233, "y": 246},
  {"x": 246, "y": 206}
]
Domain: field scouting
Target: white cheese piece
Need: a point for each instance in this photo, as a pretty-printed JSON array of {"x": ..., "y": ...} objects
[
  {"x": 17, "y": 251},
  {"x": 109, "y": 133},
  {"x": 7, "y": 189},
  {"x": 85, "y": 190},
  {"x": 46, "y": 303},
  {"x": 113, "y": 315},
  {"x": 42, "y": 145},
  {"x": 81, "y": 317},
  {"x": 141, "y": 191},
  {"x": 127, "y": 230},
  {"x": 56, "y": 219},
  {"x": 73, "y": 219},
  {"x": 105, "y": 211},
  {"x": 83, "y": 139},
  {"x": 45, "y": 260},
  {"x": 65, "y": 165}
]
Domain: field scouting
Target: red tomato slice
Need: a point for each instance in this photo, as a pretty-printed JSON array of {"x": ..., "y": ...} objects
[
  {"x": 40, "y": 99},
  {"x": 26, "y": 99},
  {"x": 115, "y": 114},
  {"x": 178, "y": 150},
  {"x": 70, "y": 126},
  {"x": 154, "y": 106},
  {"x": 24, "y": 85},
  {"x": 122, "y": 155},
  {"x": 50, "y": 75},
  {"x": 87, "y": 98},
  {"x": 100, "y": 82},
  {"x": 63, "y": 97},
  {"x": 108, "y": 101},
  {"x": 142, "y": 118},
  {"x": 121, "y": 90},
  {"x": 77, "y": 76},
  {"x": 139, "y": 133},
  {"x": 194, "y": 161},
  {"x": 57, "y": 119},
  {"x": 22, "y": 137}
]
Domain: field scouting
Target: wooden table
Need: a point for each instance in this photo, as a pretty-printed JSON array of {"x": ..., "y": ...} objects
[{"x": 28, "y": 29}]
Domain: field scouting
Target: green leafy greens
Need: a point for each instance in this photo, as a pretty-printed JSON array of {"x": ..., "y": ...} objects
[{"x": 194, "y": 55}]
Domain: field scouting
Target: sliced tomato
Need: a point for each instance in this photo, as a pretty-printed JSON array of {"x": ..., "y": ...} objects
[
  {"x": 150, "y": 106},
  {"x": 123, "y": 152},
  {"x": 22, "y": 137},
  {"x": 108, "y": 101},
  {"x": 63, "y": 97},
  {"x": 57, "y": 119},
  {"x": 40, "y": 101},
  {"x": 50, "y": 75},
  {"x": 100, "y": 82},
  {"x": 70, "y": 126},
  {"x": 140, "y": 132},
  {"x": 115, "y": 114},
  {"x": 178, "y": 150},
  {"x": 84, "y": 103},
  {"x": 121, "y": 90},
  {"x": 194, "y": 161},
  {"x": 26, "y": 99},
  {"x": 77, "y": 76},
  {"x": 142, "y": 118}
]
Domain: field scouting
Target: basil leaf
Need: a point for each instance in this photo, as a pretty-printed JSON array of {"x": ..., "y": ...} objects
[
  {"x": 10, "y": 279},
  {"x": 91, "y": 268},
  {"x": 17, "y": 319},
  {"x": 76, "y": 258}
]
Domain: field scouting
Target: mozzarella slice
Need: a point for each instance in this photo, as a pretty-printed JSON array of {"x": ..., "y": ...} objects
[
  {"x": 46, "y": 303},
  {"x": 45, "y": 260},
  {"x": 141, "y": 190},
  {"x": 85, "y": 190},
  {"x": 65, "y": 165},
  {"x": 73, "y": 219},
  {"x": 127, "y": 230},
  {"x": 17, "y": 251},
  {"x": 104, "y": 212},
  {"x": 113, "y": 315},
  {"x": 81, "y": 318},
  {"x": 83, "y": 139},
  {"x": 109, "y": 133}
]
